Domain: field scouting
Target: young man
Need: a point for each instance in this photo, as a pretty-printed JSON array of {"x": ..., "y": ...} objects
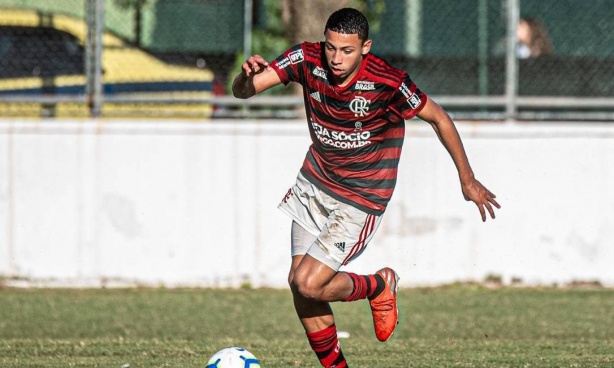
[{"x": 356, "y": 107}]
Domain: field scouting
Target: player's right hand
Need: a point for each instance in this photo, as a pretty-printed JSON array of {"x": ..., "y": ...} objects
[
  {"x": 474, "y": 191},
  {"x": 254, "y": 65}
]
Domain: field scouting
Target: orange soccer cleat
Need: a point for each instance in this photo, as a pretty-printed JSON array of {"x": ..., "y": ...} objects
[{"x": 384, "y": 306}]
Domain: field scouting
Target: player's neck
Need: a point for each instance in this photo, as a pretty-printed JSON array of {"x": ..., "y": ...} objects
[{"x": 342, "y": 82}]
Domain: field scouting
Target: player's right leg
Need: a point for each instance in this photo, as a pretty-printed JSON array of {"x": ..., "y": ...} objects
[
  {"x": 342, "y": 238},
  {"x": 313, "y": 280},
  {"x": 319, "y": 323}
]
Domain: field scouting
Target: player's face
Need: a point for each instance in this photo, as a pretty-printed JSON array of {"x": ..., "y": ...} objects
[{"x": 344, "y": 54}]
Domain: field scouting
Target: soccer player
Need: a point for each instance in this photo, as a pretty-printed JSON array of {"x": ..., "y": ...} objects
[{"x": 356, "y": 106}]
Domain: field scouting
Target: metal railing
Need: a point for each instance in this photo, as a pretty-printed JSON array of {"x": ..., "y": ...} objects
[{"x": 493, "y": 84}]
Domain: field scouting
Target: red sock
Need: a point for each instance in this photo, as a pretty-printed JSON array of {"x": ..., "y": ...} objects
[
  {"x": 364, "y": 286},
  {"x": 327, "y": 347}
]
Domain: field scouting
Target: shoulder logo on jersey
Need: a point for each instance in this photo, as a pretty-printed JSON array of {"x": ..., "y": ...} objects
[
  {"x": 319, "y": 72},
  {"x": 296, "y": 56},
  {"x": 360, "y": 106},
  {"x": 412, "y": 99},
  {"x": 364, "y": 86},
  {"x": 316, "y": 96},
  {"x": 405, "y": 90}
]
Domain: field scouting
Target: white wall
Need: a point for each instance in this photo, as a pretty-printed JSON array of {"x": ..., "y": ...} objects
[{"x": 91, "y": 203}]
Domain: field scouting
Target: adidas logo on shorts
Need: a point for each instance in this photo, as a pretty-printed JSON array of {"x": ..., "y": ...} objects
[{"x": 340, "y": 246}]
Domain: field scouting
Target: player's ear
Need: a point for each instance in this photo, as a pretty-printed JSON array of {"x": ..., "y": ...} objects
[{"x": 366, "y": 47}]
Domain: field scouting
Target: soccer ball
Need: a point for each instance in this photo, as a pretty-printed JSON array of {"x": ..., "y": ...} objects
[{"x": 233, "y": 357}]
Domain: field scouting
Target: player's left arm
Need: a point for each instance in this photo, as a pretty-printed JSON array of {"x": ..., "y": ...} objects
[{"x": 446, "y": 131}]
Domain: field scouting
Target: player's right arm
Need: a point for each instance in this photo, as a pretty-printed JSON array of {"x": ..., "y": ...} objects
[{"x": 256, "y": 76}]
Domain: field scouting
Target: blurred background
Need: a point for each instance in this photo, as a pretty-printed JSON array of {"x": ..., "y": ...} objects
[{"x": 481, "y": 59}]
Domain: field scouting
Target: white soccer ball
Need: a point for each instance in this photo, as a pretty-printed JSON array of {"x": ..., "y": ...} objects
[{"x": 233, "y": 357}]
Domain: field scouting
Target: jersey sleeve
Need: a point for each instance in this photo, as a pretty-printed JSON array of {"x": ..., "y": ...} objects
[
  {"x": 408, "y": 100},
  {"x": 288, "y": 65}
]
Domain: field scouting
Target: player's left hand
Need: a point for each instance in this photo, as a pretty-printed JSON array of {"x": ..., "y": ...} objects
[{"x": 474, "y": 191}]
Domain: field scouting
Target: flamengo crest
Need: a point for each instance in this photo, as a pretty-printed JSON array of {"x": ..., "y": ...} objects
[{"x": 360, "y": 106}]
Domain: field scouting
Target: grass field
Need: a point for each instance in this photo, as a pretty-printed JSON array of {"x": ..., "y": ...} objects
[{"x": 456, "y": 326}]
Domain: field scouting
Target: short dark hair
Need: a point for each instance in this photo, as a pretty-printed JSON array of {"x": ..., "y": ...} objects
[{"x": 349, "y": 21}]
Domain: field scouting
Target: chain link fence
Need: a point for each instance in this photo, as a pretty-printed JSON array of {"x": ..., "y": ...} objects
[
  {"x": 561, "y": 62},
  {"x": 177, "y": 57}
]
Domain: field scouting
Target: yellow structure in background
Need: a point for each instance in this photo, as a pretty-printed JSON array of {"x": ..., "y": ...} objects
[{"x": 127, "y": 72}]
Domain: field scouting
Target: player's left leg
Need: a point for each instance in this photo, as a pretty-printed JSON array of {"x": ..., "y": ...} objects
[
  {"x": 316, "y": 316},
  {"x": 314, "y": 285}
]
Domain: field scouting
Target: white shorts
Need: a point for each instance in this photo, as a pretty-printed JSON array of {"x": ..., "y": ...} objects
[{"x": 332, "y": 232}]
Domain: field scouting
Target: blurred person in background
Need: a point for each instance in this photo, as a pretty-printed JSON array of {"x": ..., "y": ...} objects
[
  {"x": 532, "y": 38},
  {"x": 356, "y": 106}
]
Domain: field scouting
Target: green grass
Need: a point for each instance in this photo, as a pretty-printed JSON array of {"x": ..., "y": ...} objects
[{"x": 459, "y": 326}]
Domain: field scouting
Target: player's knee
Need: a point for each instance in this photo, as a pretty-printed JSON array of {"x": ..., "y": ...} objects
[
  {"x": 306, "y": 286},
  {"x": 291, "y": 280}
]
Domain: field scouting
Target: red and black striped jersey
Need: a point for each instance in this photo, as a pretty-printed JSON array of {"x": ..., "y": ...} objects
[{"x": 357, "y": 130}]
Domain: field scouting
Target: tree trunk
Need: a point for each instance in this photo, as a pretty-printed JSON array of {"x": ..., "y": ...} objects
[{"x": 305, "y": 20}]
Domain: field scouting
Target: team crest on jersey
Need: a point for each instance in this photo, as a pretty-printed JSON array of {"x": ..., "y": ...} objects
[
  {"x": 360, "y": 106},
  {"x": 364, "y": 86}
]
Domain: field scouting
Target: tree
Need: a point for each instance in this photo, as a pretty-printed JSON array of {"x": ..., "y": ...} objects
[
  {"x": 137, "y": 5},
  {"x": 304, "y": 20}
]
